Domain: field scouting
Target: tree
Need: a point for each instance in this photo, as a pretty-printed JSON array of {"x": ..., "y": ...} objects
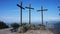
[
  {"x": 3, "y": 25},
  {"x": 15, "y": 25}
]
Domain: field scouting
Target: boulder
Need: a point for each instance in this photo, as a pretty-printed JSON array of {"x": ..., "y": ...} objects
[
  {"x": 22, "y": 29},
  {"x": 42, "y": 27}
]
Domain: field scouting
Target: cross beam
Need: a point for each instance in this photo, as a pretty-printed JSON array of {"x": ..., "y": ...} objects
[
  {"x": 20, "y": 6},
  {"x": 42, "y": 13},
  {"x": 29, "y": 12}
]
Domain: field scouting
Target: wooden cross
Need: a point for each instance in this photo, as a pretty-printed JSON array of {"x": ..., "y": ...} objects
[
  {"x": 20, "y": 6},
  {"x": 42, "y": 13},
  {"x": 29, "y": 12},
  {"x": 59, "y": 9}
]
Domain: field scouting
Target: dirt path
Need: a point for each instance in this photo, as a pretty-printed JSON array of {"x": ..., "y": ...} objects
[{"x": 6, "y": 31}]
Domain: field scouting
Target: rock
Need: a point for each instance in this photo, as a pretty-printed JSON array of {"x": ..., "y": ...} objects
[
  {"x": 14, "y": 29},
  {"x": 22, "y": 29},
  {"x": 42, "y": 27},
  {"x": 32, "y": 27}
]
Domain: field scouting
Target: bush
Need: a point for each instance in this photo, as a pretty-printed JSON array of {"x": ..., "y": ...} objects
[
  {"x": 3, "y": 25},
  {"x": 24, "y": 23},
  {"x": 15, "y": 25}
]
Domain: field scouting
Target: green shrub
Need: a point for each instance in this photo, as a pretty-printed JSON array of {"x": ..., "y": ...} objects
[
  {"x": 15, "y": 25},
  {"x": 3, "y": 25}
]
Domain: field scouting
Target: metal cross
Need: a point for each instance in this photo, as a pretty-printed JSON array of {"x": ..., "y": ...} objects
[
  {"x": 42, "y": 13},
  {"x": 20, "y": 6},
  {"x": 29, "y": 12}
]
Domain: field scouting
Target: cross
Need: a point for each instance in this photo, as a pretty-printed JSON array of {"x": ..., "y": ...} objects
[
  {"x": 42, "y": 13},
  {"x": 59, "y": 9},
  {"x": 29, "y": 12},
  {"x": 20, "y": 6}
]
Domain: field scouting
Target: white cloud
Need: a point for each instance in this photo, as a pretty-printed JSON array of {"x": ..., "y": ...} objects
[
  {"x": 9, "y": 19},
  {"x": 53, "y": 19}
]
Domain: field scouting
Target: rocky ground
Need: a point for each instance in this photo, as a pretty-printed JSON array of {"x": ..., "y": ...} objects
[{"x": 7, "y": 31}]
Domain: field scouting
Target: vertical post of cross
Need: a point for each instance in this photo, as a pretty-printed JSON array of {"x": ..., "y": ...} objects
[
  {"x": 42, "y": 13},
  {"x": 29, "y": 7},
  {"x": 20, "y": 6}
]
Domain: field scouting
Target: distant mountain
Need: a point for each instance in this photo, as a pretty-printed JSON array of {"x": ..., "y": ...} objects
[
  {"x": 54, "y": 24},
  {"x": 57, "y": 25}
]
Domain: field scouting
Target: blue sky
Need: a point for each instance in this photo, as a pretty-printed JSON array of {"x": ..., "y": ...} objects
[{"x": 9, "y": 12}]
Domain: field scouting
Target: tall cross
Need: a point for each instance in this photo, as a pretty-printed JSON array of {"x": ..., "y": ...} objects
[
  {"x": 20, "y": 6},
  {"x": 42, "y": 13},
  {"x": 29, "y": 12},
  {"x": 59, "y": 9}
]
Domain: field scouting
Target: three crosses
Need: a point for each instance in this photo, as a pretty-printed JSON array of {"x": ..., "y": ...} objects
[{"x": 29, "y": 7}]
